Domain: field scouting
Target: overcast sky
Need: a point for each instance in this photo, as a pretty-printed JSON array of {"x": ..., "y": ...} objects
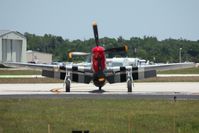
[{"x": 72, "y": 19}]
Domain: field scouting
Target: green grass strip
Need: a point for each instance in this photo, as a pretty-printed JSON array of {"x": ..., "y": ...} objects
[
  {"x": 98, "y": 116},
  {"x": 181, "y": 71}
]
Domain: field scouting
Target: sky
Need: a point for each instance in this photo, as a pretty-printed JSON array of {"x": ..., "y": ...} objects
[{"x": 72, "y": 19}]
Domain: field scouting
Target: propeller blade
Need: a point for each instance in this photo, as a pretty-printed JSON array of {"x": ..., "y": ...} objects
[
  {"x": 95, "y": 31},
  {"x": 71, "y": 54},
  {"x": 119, "y": 49},
  {"x": 79, "y": 53}
]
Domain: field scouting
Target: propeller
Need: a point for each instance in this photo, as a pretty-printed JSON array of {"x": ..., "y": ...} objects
[
  {"x": 95, "y": 31},
  {"x": 71, "y": 54},
  {"x": 119, "y": 49}
]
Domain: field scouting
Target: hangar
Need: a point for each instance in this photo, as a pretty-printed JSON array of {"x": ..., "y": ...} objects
[{"x": 12, "y": 46}]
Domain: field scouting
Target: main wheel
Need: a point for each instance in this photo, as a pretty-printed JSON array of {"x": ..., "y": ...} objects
[
  {"x": 129, "y": 85},
  {"x": 67, "y": 87}
]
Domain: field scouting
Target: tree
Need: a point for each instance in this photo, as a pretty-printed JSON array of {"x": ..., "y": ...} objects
[{"x": 147, "y": 48}]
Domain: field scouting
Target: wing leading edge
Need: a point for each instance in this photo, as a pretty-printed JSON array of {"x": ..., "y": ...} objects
[{"x": 120, "y": 74}]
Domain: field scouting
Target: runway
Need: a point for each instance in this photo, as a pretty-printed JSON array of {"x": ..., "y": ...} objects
[{"x": 159, "y": 90}]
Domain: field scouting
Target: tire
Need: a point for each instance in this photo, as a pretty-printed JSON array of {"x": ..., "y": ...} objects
[
  {"x": 67, "y": 87},
  {"x": 129, "y": 85}
]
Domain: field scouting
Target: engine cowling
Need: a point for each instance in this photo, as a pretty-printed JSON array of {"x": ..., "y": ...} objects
[{"x": 98, "y": 59}]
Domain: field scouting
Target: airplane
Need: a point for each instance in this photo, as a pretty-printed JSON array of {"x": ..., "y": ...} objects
[
  {"x": 97, "y": 71},
  {"x": 124, "y": 61}
]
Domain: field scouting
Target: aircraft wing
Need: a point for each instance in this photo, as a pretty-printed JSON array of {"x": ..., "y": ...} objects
[
  {"x": 117, "y": 74},
  {"x": 170, "y": 66},
  {"x": 80, "y": 74},
  {"x": 120, "y": 73},
  {"x": 76, "y": 73},
  {"x": 34, "y": 66}
]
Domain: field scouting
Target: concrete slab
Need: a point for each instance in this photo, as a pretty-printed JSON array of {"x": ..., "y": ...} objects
[{"x": 120, "y": 88}]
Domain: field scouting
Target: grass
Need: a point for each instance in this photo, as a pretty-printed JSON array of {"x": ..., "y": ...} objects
[
  {"x": 171, "y": 79},
  {"x": 29, "y": 80},
  {"x": 36, "y": 72},
  {"x": 19, "y": 72},
  {"x": 194, "y": 70},
  {"x": 98, "y": 116},
  {"x": 50, "y": 80}
]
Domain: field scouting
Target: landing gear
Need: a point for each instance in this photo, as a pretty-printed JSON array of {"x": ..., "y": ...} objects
[
  {"x": 129, "y": 85},
  {"x": 129, "y": 81},
  {"x": 100, "y": 88},
  {"x": 67, "y": 85},
  {"x": 67, "y": 82}
]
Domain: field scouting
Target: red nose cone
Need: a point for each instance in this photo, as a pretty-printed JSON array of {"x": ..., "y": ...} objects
[
  {"x": 98, "y": 49},
  {"x": 98, "y": 59}
]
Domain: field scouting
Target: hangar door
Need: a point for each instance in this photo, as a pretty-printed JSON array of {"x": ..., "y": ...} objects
[{"x": 11, "y": 50}]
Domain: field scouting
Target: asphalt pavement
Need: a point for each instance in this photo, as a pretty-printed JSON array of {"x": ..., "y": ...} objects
[{"x": 159, "y": 90}]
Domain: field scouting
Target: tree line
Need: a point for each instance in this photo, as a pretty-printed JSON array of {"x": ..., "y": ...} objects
[{"x": 149, "y": 48}]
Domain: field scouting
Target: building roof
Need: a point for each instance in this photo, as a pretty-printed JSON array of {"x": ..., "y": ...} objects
[{"x": 4, "y": 32}]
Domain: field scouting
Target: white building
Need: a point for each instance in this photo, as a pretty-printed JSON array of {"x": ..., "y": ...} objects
[
  {"x": 12, "y": 46},
  {"x": 38, "y": 57}
]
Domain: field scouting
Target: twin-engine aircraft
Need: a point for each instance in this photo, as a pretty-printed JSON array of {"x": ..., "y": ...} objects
[{"x": 97, "y": 72}]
